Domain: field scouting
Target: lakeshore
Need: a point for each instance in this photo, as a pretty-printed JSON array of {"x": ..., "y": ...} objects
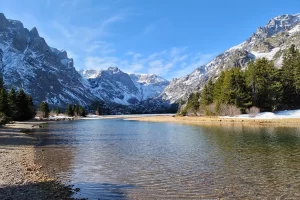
[
  {"x": 214, "y": 120},
  {"x": 20, "y": 176}
]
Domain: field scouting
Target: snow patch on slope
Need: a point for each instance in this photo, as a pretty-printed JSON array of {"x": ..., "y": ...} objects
[
  {"x": 269, "y": 55},
  {"x": 285, "y": 114}
]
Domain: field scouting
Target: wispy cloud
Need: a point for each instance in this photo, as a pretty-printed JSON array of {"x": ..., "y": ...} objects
[
  {"x": 169, "y": 63},
  {"x": 156, "y": 26},
  {"x": 112, "y": 20},
  {"x": 100, "y": 62},
  {"x": 101, "y": 47}
]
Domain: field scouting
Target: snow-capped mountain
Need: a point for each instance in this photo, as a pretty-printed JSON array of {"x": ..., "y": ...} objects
[
  {"x": 149, "y": 85},
  {"x": 113, "y": 85},
  {"x": 26, "y": 61},
  {"x": 269, "y": 41}
]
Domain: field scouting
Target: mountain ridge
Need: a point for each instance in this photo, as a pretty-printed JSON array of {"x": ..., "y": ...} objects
[
  {"x": 124, "y": 88},
  {"x": 269, "y": 41}
]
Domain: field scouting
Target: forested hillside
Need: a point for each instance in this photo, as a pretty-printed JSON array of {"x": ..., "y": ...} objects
[{"x": 260, "y": 87}]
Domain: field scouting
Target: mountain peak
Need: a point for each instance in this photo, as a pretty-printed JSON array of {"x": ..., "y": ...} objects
[
  {"x": 34, "y": 32},
  {"x": 3, "y": 21},
  {"x": 114, "y": 69}
]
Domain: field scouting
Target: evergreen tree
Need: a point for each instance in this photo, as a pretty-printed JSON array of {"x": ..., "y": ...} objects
[
  {"x": 4, "y": 106},
  {"x": 30, "y": 110},
  {"x": 82, "y": 111},
  {"x": 204, "y": 97},
  {"x": 242, "y": 97},
  {"x": 12, "y": 98},
  {"x": 24, "y": 106},
  {"x": 21, "y": 106},
  {"x": 251, "y": 81},
  {"x": 265, "y": 84},
  {"x": 70, "y": 111},
  {"x": 195, "y": 102},
  {"x": 290, "y": 78},
  {"x": 44, "y": 108},
  {"x": 57, "y": 111},
  {"x": 217, "y": 94},
  {"x": 207, "y": 94}
]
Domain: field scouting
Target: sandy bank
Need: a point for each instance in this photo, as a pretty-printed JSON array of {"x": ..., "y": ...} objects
[
  {"x": 25, "y": 125},
  {"x": 220, "y": 121}
]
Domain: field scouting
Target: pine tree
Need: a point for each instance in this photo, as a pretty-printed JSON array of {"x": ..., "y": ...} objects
[
  {"x": 4, "y": 106},
  {"x": 82, "y": 112},
  {"x": 265, "y": 83},
  {"x": 250, "y": 76},
  {"x": 21, "y": 106},
  {"x": 44, "y": 108},
  {"x": 290, "y": 78},
  {"x": 57, "y": 110},
  {"x": 217, "y": 94},
  {"x": 205, "y": 97},
  {"x": 195, "y": 102},
  {"x": 30, "y": 109},
  {"x": 12, "y": 98},
  {"x": 70, "y": 111},
  {"x": 239, "y": 95}
]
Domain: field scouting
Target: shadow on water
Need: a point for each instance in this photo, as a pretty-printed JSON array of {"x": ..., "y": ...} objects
[
  {"x": 17, "y": 137},
  {"x": 103, "y": 191},
  {"x": 52, "y": 190},
  {"x": 46, "y": 190}
]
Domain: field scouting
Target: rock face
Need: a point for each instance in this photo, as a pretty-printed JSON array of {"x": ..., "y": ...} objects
[
  {"x": 113, "y": 85},
  {"x": 26, "y": 61},
  {"x": 269, "y": 41}
]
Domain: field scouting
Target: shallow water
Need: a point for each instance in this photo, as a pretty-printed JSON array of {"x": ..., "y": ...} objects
[{"x": 117, "y": 159}]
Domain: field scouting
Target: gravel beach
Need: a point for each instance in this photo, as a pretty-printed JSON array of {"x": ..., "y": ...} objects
[{"x": 20, "y": 177}]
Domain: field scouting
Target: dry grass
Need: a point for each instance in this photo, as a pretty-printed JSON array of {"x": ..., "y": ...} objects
[{"x": 220, "y": 121}]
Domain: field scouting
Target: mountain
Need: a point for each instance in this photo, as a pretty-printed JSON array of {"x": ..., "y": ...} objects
[
  {"x": 113, "y": 85},
  {"x": 46, "y": 73},
  {"x": 269, "y": 41},
  {"x": 149, "y": 85}
]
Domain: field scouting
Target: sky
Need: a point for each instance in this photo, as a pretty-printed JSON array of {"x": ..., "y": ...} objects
[{"x": 170, "y": 38}]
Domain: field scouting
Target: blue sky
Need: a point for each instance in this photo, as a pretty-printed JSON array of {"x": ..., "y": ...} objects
[{"x": 170, "y": 38}]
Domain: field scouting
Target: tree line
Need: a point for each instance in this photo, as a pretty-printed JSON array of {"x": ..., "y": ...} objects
[
  {"x": 261, "y": 86},
  {"x": 15, "y": 105}
]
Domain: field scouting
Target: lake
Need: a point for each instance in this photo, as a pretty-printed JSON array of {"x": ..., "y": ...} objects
[{"x": 117, "y": 159}]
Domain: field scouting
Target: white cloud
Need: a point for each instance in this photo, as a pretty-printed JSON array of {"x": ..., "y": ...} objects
[
  {"x": 99, "y": 63},
  {"x": 100, "y": 47},
  {"x": 112, "y": 20},
  {"x": 149, "y": 28},
  {"x": 174, "y": 62}
]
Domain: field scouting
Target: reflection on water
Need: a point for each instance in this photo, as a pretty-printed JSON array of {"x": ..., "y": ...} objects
[{"x": 116, "y": 159}]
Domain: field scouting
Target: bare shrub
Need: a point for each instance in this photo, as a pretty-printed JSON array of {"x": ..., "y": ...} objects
[
  {"x": 201, "y": 111},
  {"x": 52, "y": 113},
  {"x": 229, "y": 110},
  {"x": 39, "y": 114},
  {"x": 211, "y": 109},
  {"x": 253, "y": 111},
  {"x": 190, "y": 112}
]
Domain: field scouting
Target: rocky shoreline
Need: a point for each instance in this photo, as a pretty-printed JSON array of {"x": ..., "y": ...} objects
[{"x": 20, "y": 176}]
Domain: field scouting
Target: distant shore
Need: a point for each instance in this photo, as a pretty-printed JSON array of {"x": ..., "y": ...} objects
[{"x": 205, "y": 120}]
